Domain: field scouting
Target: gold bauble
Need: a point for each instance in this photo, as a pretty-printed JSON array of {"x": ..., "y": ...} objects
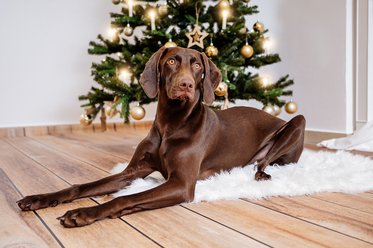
[
  {"x": 86, "y": 120},
  {"x": 291, "y": 107},
  {"x": 116, "y": 2},
  {"x": 259, "y": 27},
  {"x": 269, "y": 109},
  {"x": 128, "y": 30},
  {"x": 222, "y": 89},
  {"x": 247, "y": 51},
  {"x": 170, "y": 43},
  {"x": 277, "y": 110},
  {"x": 137, "y": 112},
  {"x": 163, "y": 9},
  {"x": 212, "y": 50}
]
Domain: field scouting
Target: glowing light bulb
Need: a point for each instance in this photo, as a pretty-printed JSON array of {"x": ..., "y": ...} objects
[
  {"x": 225, "y": 14},
  {"x": 266, "y": 44},
  {"x": 124, "y": 75},
  {"x": 112, "y": 32},
  {"x": 130, "y": 8},
  {"x": 265, "y": 81},
  {"x": 152, "y": 15}
]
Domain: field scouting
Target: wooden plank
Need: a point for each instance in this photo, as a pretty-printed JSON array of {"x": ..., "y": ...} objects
[
  {"x": 69, "y": 169},
  {"x": 78, "y": 128},
  {"x": 36, "y": 131},
  {"x": 271, "y": 227},
  {"x": 123, "y": 148},
  {"x": 59, "y": 129},
  {"x": 362, "y": 201},
  {"x": 178, "y": 227},
  {"x": 19, "y": 229},
  {"x": 178, "y": 220},
  {"x": 12, "y": 132},
  {"x": 345, "y": 220},
  {"x": 78, "y": 151},
  {"x": 31, "y": 178}
]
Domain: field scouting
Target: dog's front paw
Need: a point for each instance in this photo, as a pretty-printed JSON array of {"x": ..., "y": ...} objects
[
  {"x": 78, "y": 217},
  {"x": 34, "y": 202},
  {"x": 261, "y": 176}
]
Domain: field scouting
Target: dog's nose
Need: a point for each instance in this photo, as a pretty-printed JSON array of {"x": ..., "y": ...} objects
[{"x": 186, "y": 84}]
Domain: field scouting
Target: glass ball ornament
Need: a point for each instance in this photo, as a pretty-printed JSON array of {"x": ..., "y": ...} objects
[
  {"x": 137, "y": 112},
  {"x": 222, "y": 89},
  {"x": 277, "y": 110},
  {"x": 269, "y": 109},
  {"x": 291, "y": 107},
  {"x": 86, "y": 119},
  {"x": 247, "y": 51},
  {"x": 212, "y": 50},
  {"x": 116, "y": 2},
  {"x": 163, "y": 9},
  {"x": 128, "y": 30},
  {"x": 170, "y": 43},
  {"x": 259, "y": 27}
]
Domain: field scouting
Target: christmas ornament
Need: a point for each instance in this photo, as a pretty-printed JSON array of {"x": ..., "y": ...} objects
[
  {"x": 277, "y": 110},
  {"x": 291, "y": 107},
  {"x": 259, "y": 27},
  {"x": 269, "y": 109},
  {"x": 212, "y": 51},
  {"x": 170, "y": 43},
  {"x": 116, "y": 2},
  {"x": 222, "y": 89},
  {"x": 128, "y": 30},
  {"x": 137, "y": 112},
  {"x": 109, "y": 110},
  {"x": 247, "y": 51},
  {"x": 163, "y": 9},
  {"x": 86, "y": 120},
  {"x": 242, "y": 30},
  {"x": 196, "y": 36}
]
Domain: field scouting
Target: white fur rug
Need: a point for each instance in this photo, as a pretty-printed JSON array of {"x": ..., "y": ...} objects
[{"x": 315, "y": 172}]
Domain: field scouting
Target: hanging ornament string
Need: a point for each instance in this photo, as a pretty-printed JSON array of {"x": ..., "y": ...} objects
[{"x": 196, "y": 36}]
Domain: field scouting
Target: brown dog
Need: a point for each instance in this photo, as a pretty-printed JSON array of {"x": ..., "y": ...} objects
[{"x": 187, "y": 142}]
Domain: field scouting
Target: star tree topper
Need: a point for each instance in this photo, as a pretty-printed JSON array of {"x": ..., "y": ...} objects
[{"x": 196, "y": 36}]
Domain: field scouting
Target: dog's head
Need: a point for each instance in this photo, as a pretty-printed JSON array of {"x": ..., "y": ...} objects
[{"x": 178, "y": 72}]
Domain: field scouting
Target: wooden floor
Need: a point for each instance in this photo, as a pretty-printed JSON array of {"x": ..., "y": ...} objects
[{"x": 30, "y": 165}]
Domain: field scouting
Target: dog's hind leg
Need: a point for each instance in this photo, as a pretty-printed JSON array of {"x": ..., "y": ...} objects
[{"x": 285, "y": 146}]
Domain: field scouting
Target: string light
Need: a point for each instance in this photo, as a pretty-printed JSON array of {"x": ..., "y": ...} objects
[
  {"x": 224, "y": 13},
  {"x": 152, "y": 15},
  {"x": 112, "y": 33}
]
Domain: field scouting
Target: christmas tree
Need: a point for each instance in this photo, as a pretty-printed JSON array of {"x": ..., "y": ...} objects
[{"x": 217, "y": 28}]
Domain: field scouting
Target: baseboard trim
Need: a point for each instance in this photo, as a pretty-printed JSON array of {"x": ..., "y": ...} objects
[
  {"x": 10, "y": 132},
  {"x": 314, "y": 137}
]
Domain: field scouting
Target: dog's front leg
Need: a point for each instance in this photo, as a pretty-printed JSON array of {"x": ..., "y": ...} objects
[
  {"x": 144, "y": 161},
  {"x": 174, "y": 191}
]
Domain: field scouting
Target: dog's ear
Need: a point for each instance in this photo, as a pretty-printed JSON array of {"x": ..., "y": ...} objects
[
  {"x": 211, "y": 80},
  {"x": 150, "y": 77}
]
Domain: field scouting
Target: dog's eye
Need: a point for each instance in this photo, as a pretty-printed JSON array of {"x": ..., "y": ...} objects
[
  {"x": 197, "y": 66},
  {"x": 171, "y": 61}
]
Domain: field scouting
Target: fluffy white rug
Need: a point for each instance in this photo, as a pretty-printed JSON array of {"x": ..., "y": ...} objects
[{"x": 315, "y": 172}]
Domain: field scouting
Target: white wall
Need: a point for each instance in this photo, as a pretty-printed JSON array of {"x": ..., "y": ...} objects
[
  {"x": 310, "y": 37},
  {"x": 44, "y": 64}
]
